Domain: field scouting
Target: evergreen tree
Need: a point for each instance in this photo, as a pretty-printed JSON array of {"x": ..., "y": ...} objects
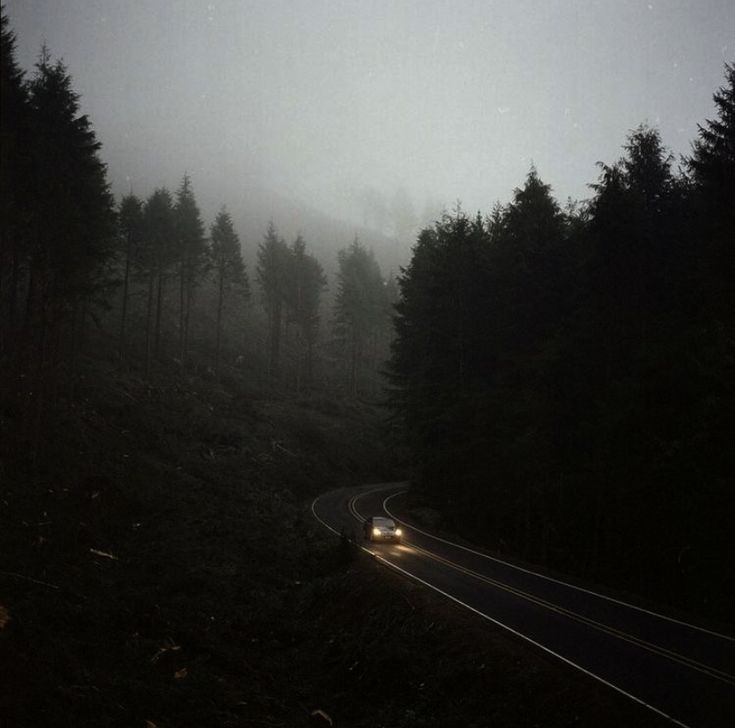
[
  {"x": 307, "y": 281},
  {"x": 713, "y": 161},
  {"x": 191, "y": 253},
  {"x": 436, "y": 355},
  {"x": 481, "y": 309},
  {"x": 571, "y": 368},
  {"x": 709, "y": 508},
  {"x": 273, "y": 271},
  {"x": 155, "y": 259},
  {"x": 713, "y": 168},
  {"x": 14, "y": 181},
  {"x": 229, "y": 269},
  {"x": 130, "y": 224},
  {"x": 73, "y": 238},
  {"x": 358, "y": 307},
  {"x": 528, "y": 249}
]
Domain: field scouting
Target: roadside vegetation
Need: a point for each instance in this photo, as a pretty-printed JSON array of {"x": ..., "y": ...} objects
[
  {"x": 163, "y": 569},
  {"x": 169, "y": 407},
  {"x": 563, "y": 375}
]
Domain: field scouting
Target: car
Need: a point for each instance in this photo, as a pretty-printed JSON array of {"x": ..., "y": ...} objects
[{"x": 381, "y": 528}]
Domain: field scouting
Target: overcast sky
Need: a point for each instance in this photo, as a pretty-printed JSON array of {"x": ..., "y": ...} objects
[{"x": 448, "y": 99}]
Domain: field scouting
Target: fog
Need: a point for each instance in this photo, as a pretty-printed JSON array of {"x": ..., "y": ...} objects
[
  {"x": 435, "y": 101},
  {"x": 204, "y": 412}
]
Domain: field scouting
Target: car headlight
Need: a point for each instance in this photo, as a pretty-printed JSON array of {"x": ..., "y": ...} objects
[
  {"x": 399, "y": 532},
  {"x": 376, "y": 532}
]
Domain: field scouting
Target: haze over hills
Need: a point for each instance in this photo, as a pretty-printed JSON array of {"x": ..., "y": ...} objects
[
  {"x": 324, "y": 235},
  {"x": 201, "y": 207},
  {"x": 253, "y": 205}
]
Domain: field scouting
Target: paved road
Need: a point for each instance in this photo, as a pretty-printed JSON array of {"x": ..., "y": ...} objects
[{"x": 681, "y": 671}]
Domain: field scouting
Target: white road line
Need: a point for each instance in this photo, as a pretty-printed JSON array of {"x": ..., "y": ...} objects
[
  {"x": 692, "y": 664},
  {"x": 536, "y": 644},
  {"x": 659, "y": 650},
  {"x": 550, "y": 578},
  {"x": 506, "y": 627}
]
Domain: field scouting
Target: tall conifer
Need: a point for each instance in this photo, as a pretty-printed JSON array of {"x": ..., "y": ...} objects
[
  {"x": 192, "y": 252},
  {"x": 229, "y": 269}
]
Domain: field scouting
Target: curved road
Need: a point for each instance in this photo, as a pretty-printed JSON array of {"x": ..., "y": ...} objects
[{"x": 681, "y": 671}]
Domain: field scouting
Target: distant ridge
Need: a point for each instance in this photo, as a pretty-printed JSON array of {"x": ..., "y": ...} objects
[{"x": 324, "y": 235}]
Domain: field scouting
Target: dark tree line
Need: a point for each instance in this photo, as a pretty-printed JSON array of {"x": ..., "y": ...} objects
[
  {"x": 162, "y": 242},
  {"x": 159, "y": 290},
  {"x": 291, "y": 282},
  {"x": 57, "y": 232},
  {"x": 68, "y": 255},
  {"x": 58, "y": 218},
  {"x": 362, "y": 308},
  {"x": 564, "y": 377}
]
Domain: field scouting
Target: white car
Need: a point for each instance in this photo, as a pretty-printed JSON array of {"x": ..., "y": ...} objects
[{"x": 380, "y": 528}]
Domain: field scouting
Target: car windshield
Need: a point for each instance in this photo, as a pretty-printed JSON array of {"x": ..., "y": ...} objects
[{"x": 384, "y": 523}]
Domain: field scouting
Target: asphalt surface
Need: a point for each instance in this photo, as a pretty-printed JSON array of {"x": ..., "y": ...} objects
[{"x": 682, "y": 671}]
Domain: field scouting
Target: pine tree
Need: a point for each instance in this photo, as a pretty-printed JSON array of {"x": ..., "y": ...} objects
[
  {"x": 436, "y": 358},
  {"x": 130, "y": 225},
  {"x": 73, "y": 237},
  {"x": 68, "y": 237},
  {"x": 155, "y": 259},
  {"x": 713, "y": 168},
  {"x": 191, "y": 252},
  {"x": 14, "y": 182},
  {"x": 229, "y": 269},
  {"x": 307, "y": 280},
  {"x": 273, "y": 270},
  {"x": 481, "y": 308},
  {"x": 358, "y": 307},
  {"x": 528, "y": 246},
  {"x": 710, "y": 453},
  {"x": 713, "y": 161}
]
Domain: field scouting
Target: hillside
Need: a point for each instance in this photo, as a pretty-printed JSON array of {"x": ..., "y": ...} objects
[
  {"x": 160, "y": 568},
  {"x": 324, "y": 235}
]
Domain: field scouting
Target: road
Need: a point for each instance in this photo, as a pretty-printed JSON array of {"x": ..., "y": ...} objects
[{"x": 681, "y": 671}]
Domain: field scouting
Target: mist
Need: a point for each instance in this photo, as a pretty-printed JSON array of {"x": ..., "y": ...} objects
[
  {"x": 367, "y": 363},
  {"x": 320, "y": 102}
]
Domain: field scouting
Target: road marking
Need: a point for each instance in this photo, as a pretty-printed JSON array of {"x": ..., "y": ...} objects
[
  {"x": 613, "y": 631},
  {"x": 689, "y": 662},
  {"x": 499, "y": 623},
  {"x": 536, "y": 644},
  {"x": 552, "y": 579}
]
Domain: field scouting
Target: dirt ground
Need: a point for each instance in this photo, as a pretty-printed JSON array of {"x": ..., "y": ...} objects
[{"x": 160, "y": 568}]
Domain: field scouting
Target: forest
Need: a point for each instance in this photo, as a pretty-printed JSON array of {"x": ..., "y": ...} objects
[
  {"x": 563, "y": 375},
  {"x": 559, "y": 377},
  {"x": 148, "y": 280},
  {"x": 554, "y": 380}
]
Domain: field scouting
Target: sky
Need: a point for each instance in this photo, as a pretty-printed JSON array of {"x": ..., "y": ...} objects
[{"x": 315, "y": 99}]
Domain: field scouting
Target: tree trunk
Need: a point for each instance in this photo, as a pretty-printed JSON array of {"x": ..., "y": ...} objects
[
  {"x": 309, "y": 360},
  {"x": 39, "y": 393},
  {"x": 189, "y": 296},
  {"x": 40, "y": 389},
  {"x": 159, "y": 308},
  {"x": 182, "y": 309},
  {"x": 9, "y": 302},
  {"x": 124, "y": 313},
  {"x": 32, "y": 285},
  {"x": 14, "y": 282},
  {"x": 220, "y": 303},
  {"x": 353, "y": 369},
  {"x": 149, "y": 324},
  {"x": 299, "y": 358},
  {"x": 275, "y": 340}
]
